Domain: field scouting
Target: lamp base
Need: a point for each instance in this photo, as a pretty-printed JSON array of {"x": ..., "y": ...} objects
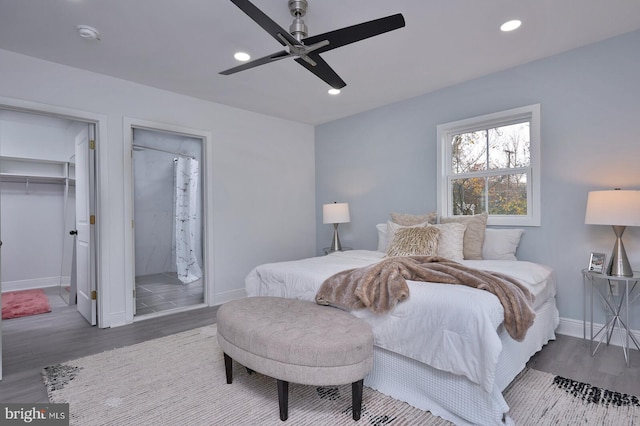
[
  {"x": 335, "y": 244},
  {"x": 619, "y": 265}
]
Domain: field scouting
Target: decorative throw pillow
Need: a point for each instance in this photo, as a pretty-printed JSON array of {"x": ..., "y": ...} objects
[
  {"x": 451, "y": 240},
  {"x": 406, "y": 219},
  {"x": 501, "y": 244},
  {"x": 392, "y": 228},
  {"x": 414, "y": 242},
  {"x": 474, "y": 235}
]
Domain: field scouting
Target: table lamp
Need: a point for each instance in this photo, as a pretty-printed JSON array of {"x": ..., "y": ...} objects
[
  {"x": 619, "y": 209},
  {"x": 336, "y": 213}
]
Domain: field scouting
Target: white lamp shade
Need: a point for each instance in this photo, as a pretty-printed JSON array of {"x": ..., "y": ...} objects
[
  {"x": 335, "y": 213},
  {"x": 615, "y": 207}
]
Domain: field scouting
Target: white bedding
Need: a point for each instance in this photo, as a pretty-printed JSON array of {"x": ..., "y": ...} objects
[{"x": 452, "y": 328}]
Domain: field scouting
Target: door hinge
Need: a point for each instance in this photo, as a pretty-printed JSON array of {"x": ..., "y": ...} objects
[
  {"x": 94, "y": 295},
  {"x": 92, "y": 144},
  {"x": 134, "y": 293},
  {"x": 92, "y": 219}
]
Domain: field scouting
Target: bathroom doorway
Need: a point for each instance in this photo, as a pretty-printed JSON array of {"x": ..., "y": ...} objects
[{"x": 167, "y": 221}]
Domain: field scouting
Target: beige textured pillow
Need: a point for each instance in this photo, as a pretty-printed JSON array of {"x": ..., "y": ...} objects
[
  {"x": 451, "y": 240},
  {"x": 414, "y": 242},
  {"x": 406, "y": 219},
  {"x": 473, "y": 236},
  {"x": 392, "y": 228}
]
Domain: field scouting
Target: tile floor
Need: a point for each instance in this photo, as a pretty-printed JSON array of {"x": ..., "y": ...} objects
[{"x": 164, "y": 291}]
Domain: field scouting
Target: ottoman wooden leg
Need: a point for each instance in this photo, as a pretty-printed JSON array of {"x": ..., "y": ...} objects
[
  {"x": 283, "y": 399},
  {"x": 356, "y": 398},
  {"x": 228, "y": 368}
]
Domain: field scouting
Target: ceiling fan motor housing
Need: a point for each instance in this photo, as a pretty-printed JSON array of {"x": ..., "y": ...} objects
[
  {"x": 298, "y": 29},
  {"x": 298, "y": 7}
]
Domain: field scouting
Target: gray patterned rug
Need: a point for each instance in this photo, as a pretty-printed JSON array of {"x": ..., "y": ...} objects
[{"x": 179, "y": 380}]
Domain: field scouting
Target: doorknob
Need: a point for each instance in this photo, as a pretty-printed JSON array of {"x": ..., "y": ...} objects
[{"x": 74, "y": 232}]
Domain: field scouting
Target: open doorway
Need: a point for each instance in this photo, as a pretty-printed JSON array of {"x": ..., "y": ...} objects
[
  {"x": 44, "y": 246},
  {"x": 168, "y": 221}
]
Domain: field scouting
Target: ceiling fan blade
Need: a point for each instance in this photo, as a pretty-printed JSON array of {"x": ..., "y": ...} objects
[
  {"x": 256, "y": 62},
  {"x": 265, "y": 22},
  {"x": 357, "y": 32},
  {"x": 322, "y": 70}
]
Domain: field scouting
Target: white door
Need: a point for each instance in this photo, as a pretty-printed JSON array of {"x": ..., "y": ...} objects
[
  {"x": 0, "y": 315},
  {"x": 86, "y": 283}
]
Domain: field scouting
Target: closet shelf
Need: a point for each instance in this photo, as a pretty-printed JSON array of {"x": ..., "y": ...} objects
[
  {"x": 20, "y": 178},
  {"x": 25, "y": 170}
]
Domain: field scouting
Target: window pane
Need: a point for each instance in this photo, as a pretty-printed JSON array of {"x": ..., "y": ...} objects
[
  {"x": 469, "y": 152},
  {"x": 508, "y": 194},
  {"x": 509, "y": 146},
  {"x": 468, "y": 196}
]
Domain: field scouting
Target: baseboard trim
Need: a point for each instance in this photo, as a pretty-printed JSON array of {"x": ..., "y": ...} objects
[
  {"x": 227, "y": 296},
  {"x": 574, "y": 328},
  {"x": 33, "y": 283}
]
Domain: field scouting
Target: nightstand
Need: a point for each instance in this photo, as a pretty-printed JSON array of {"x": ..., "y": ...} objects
[
  {"x": 328, "y": 250},
  {"x": 616, "y": 295}
]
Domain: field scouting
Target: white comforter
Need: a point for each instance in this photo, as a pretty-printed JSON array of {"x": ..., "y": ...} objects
[{"x": 453, "y": 328}]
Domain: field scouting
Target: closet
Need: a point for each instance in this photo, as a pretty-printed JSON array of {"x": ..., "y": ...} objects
[{"x": 37, "y": 201}]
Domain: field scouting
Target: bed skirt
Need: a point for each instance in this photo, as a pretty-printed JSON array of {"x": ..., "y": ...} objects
[{"x": 454, "y": 397}]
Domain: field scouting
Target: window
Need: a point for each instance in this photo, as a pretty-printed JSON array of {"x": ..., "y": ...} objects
[{"x": 491, "y": 164}]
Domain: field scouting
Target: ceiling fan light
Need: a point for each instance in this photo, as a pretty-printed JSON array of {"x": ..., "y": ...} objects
[
  {"x": 333, "y": 91},
  {"x": 242, "y": 56},
  {"x": 514, "y": 24}
]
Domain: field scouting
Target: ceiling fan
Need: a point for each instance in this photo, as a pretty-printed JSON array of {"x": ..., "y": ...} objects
[{"x": 307, "y": 50}]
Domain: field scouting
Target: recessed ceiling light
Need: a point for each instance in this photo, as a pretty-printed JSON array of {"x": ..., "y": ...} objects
[
  {"x": 242, "y": 57},
  {"x": 88, "y": 32},
  {"x": 511, "y": 25},
  {"x": 334, "y": 91}
]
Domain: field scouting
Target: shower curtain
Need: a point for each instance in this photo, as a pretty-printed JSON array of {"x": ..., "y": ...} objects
[{"x": 187, "y": 230}]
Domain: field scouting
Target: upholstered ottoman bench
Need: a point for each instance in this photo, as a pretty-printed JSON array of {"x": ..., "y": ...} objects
[{"x": 296, "y": 341}]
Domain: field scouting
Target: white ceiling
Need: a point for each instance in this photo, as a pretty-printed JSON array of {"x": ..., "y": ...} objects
[{"x": 182, "y": 45}]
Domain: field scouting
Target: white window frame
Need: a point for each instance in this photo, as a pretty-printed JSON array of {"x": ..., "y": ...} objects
[{"x": 445, "y": 133}]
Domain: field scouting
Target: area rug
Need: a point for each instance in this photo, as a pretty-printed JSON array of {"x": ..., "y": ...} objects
[
  {"x": 180, "y": 379},
  {"x": 23, "y": 303}
]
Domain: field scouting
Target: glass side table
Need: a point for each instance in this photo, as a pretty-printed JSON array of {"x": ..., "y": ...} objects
[{"x": 616, "y": 308}]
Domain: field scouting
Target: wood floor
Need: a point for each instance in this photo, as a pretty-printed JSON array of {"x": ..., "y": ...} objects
[{"x": 31, "y": 343}]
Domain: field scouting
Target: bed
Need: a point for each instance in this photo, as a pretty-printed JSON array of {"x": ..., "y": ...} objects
[{"x": 445, "y": 348}]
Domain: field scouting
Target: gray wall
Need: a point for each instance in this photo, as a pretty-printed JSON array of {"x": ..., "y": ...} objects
[
  {"x": 384, "y": 160},
  {"x": 261, "y": 174}
]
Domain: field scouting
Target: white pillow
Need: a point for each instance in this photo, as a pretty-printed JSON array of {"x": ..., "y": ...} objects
[
  {"x": 383, "y": 241},
  {"x": 386, "y": 232},
  {"x": 501, "y": 244},
  {"x": 451, "y": 240},
  {"x": 474, "y": 235}
]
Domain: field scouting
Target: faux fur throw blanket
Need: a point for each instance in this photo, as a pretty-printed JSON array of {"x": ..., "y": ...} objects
[{"x": 379, "y": 287}]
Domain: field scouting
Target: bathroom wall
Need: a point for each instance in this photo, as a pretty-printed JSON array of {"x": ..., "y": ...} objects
[{"x": 154, "y": 192}]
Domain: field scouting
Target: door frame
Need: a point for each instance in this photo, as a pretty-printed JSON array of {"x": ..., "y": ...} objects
[
  {"x": 100, "y": 122},
  {"x": 129, "y": 124}
]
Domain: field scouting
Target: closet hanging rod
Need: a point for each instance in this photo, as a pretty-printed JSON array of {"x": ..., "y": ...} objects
[{"x": 163, "y": 150}]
